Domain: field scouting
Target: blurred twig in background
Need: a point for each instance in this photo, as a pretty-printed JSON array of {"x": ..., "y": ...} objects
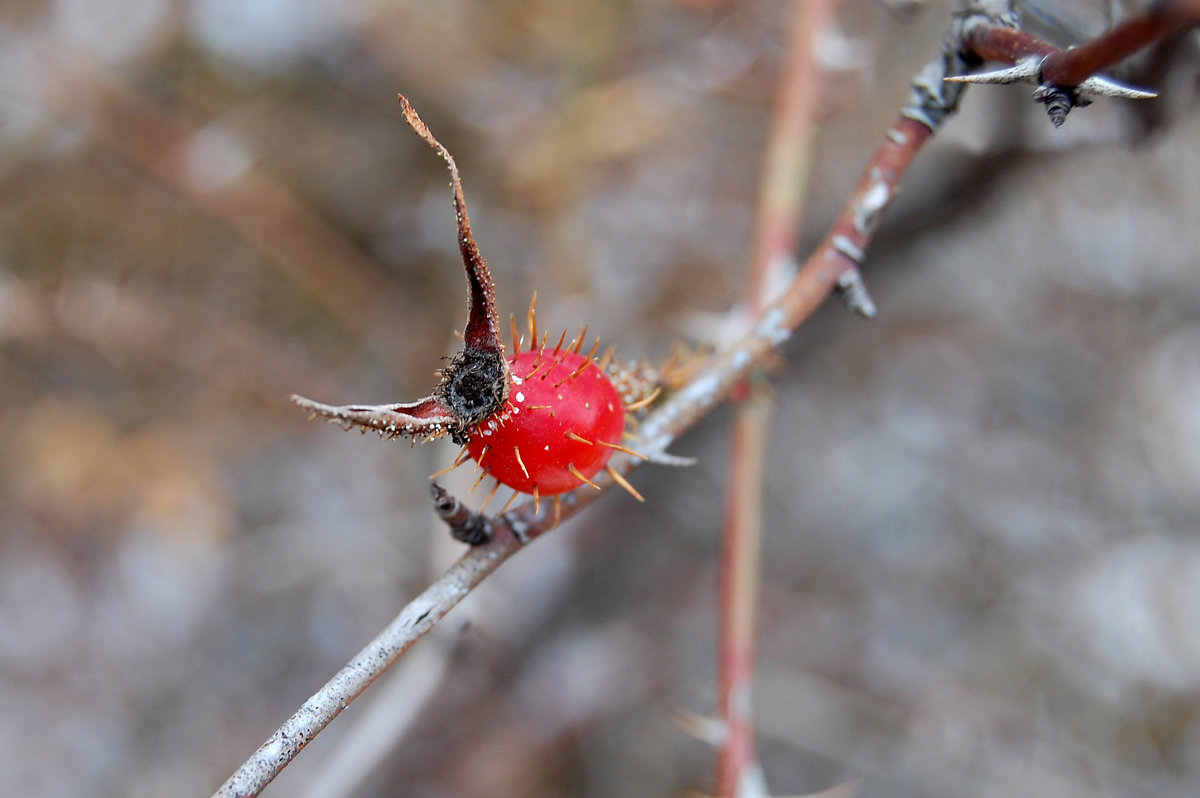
[{"x": 785, "y": 176}]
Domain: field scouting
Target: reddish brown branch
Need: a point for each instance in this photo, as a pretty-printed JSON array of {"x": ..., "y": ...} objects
[
  {"x": 845, "y": 245},
  {"x": 1006, "y": 45},
  {"x": 1072, "y": 67},
  {"x": 1064, "y": 78},
  {"x": 1186, "y": 10},
  {"x": 741, "y": 558}
]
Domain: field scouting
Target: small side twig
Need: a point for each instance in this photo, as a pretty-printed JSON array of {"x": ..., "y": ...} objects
[
  {"x": 465, "y": 524},
  {"x": 1072, "y": 67}
]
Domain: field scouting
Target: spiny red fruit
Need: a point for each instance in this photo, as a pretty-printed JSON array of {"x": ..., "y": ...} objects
[
  {"x": 562, "y": 422},
  {"x": 541, "y": 421}
]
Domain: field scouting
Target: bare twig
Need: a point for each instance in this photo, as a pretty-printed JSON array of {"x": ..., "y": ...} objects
[
  {"x": 781, "y": 199},
  {"x": 1071, "y": 67},
  {"x": 741, "y": 559},
  {"x": 417, "y": 618},
  {"x": 465, "y": 524}
]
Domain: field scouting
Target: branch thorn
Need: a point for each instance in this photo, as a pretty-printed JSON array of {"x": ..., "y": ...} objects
[
  {"x": 1103, "y": 87},
  {"x": 854, "y": 290},
  {"x": 1027, "y": 70},
  {"x": 1059, "y": 100}
]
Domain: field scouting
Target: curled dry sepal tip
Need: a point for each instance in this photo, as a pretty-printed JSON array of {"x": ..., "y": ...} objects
[{"x": 475, "y": 383}]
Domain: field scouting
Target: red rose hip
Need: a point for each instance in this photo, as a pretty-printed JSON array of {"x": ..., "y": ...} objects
[{"x": 562, "y": 422}]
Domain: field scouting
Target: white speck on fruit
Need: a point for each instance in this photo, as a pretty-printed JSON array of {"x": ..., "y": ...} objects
[{"x": 520, "y": 396}]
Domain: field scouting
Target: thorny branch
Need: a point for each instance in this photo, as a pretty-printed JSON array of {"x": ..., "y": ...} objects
[
  {"x": 833, "y": 266},
  {"x": 1064, "y": 77},
  {"x": 1075, "y": 65}
]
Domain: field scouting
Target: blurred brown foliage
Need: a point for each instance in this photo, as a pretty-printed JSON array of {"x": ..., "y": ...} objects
[{"x": 983, "y": 569}]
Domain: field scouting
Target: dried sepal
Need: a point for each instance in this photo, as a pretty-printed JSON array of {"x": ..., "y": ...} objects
[
  {"x": 426, "y": 419},
  {"x": 474, "y": 385},
  {"x": 483, "y": 323}
]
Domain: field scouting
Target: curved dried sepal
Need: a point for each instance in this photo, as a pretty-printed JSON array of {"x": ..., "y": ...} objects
[
  {"x": 483, "y": 323},
  {"x": 428, "y": 418}
]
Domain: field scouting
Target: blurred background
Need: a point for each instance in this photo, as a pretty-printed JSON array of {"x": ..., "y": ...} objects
[{"x": 982, "y": 560}]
